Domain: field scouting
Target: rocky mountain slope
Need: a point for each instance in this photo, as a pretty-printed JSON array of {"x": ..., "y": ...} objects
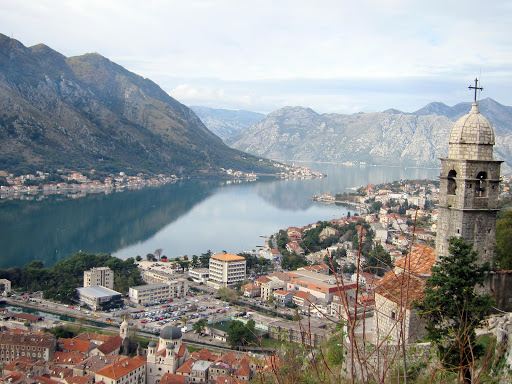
[
  {"x": 224, "y": 122},
  {"x": 390, "y": 137},
  {"x": 87, "y": 112}
]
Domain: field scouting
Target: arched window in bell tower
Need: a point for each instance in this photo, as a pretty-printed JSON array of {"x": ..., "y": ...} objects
[
  {"x": 481, "y": 184},
  {"x": 452, "y": 185}
]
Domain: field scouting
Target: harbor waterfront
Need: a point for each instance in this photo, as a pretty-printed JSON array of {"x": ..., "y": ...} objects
[{"x": 185, "y": 218}]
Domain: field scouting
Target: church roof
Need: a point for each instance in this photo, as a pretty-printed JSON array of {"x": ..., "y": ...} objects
[
  {"x": 472, "y": 128},
  {"x": 170, "y": 332}
]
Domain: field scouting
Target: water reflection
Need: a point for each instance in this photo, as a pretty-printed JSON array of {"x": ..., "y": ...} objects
[{"x": 188, "y": 217}]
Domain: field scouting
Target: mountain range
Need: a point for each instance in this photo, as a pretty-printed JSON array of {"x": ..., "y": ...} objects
[
  {"x": 391, "y": 137},
  {"x": 87, "y": 112},
  {"x": 226, "y": 123}
]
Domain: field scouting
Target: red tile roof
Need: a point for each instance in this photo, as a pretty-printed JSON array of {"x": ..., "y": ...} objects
[
  {"x": 171, "y": 378},
  {"x": 76, "y": 345},
  {"x": 112, "y": 345},
  {"x": 186, "y": 367},
  {"x": 121, "y": 368}
]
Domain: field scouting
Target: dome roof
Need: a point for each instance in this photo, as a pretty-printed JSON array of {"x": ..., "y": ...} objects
[
  {"x": 152, "y": 344},
  {"x": 170, "y": 346},
  {"x": 170, "y": 332},
  {"x": 472, "y": 128}
]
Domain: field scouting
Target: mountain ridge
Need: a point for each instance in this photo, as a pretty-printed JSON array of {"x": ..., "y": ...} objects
[
  {"x": 391, "y": 137},
  {"x": 86, "y": 112}
]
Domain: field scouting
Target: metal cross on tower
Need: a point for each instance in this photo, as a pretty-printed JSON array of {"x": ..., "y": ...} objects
[{"x": 476, "y": 87}]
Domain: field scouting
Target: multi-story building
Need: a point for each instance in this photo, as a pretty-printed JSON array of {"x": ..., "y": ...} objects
[
  {"x": 199, "y": 275},
  {"x": 226, "y": 270},
  {"x": 125, "y": 371},
  {"x": 155, "y": 277},
  {"x": 155, "y": 293},
  {"x": 102, "y": 276},
  {"x": 18, "y": 343}
]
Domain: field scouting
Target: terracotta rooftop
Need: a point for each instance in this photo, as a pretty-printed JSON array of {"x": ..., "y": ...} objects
[
  {"x": 121, "y": 368},
  {"x": 227, "y": 257},
  {"x": 22, "y": 364},
  {"x": 76, "y": 345},
  {"x": 89, "y": 336},
  {"x": 110, "y": 346},
  {"x": 418, "y": 262},
  {"x": 79, "y": 379},
  {"x": 171, "y": 378},
  {"x": 186, "y": 367},
  {"x": 68, "y": 358},
  {"x": 95, "y": 363},
  {"x": 403, "y": 289}
]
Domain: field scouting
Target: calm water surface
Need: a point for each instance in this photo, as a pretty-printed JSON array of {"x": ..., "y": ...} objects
[{"x": 188, "y": 217}]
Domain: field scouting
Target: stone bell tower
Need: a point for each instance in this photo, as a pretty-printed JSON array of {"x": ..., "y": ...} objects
[{"x": 469, "y": 186}]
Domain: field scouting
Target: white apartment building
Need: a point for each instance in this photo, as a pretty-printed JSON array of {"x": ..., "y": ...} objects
[
  {"x": 226, "y": 270},
  {"x": 199, "y": 275},
  {"x": 102, "y": 276},
  {"x": 155, "y": 293}
]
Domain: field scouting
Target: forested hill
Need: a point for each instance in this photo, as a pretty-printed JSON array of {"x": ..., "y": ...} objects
[{"x": 87, "y": 112}]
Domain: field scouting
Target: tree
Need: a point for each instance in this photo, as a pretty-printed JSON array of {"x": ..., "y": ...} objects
[
  {"x": 200, "y": 325},
  {"x": 240, "y": 333},
  {"x": 150, "y": 257},
  {"x": 138, "y": 258},
  {"x": 453, "y": 310},
  {"x": 158, "y": 253},
  {"x": 195, "y": 261},
  {"x": 502, "y": 250},
  {"x": 204, "y": 259}
]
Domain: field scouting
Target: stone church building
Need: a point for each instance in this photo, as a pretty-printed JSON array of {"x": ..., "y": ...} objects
[{"x": 468, "y": 205}]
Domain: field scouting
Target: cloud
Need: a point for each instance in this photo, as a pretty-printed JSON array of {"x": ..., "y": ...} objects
[{"x": 369, "y": 55}]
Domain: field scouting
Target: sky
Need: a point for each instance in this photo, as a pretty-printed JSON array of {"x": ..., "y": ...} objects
[{"x": 334, "y": 56}]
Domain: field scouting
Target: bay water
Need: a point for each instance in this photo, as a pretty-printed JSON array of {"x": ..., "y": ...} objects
[{"x": 185, "y": 218}]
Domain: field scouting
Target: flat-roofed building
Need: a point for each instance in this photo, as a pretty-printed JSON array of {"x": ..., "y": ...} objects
[
  {"x": 98, "y": 297},
  {"x": 317, "y": 284},
  {"x": 155, "y": 293},
  {"x": 151, "y": 276},
  {"x": 5, "y": 287},
  {"x": 199, "y": 275},
  {"x": 102, "y": 276},
  {"x": 226, "y": 270}
]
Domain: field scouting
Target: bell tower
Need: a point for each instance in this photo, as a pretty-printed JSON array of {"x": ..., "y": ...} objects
[{"x": 469, "y": 186}]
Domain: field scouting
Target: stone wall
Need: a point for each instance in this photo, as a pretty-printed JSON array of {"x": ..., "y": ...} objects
[{"x": 386, "y": 323}]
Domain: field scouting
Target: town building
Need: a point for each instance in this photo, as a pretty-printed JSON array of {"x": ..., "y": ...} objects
[
  {"x": 102, "y": 276},
  {"x": 297, "y": 332},
  {"x": 125, "y": 371},
  {"x": 5, "y": 287},
  {"x": 18, "y": 343},
  {"x": 99, "y": 297},
  {"x": 226, "y": 270},
  {"x": 150, "y": 293},
  {"x": 199, "y": 275}
]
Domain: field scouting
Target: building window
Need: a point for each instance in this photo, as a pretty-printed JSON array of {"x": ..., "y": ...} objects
[
  {"x": 393, "y": 315},
  {"x": 451, "y": 185},
  {"x": 481, "y": 190}
]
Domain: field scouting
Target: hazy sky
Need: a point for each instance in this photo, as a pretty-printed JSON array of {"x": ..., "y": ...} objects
[{"x": 333, "y": 56}]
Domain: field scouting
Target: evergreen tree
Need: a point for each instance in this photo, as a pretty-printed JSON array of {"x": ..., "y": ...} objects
[{"x": 451, "y": 308}]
